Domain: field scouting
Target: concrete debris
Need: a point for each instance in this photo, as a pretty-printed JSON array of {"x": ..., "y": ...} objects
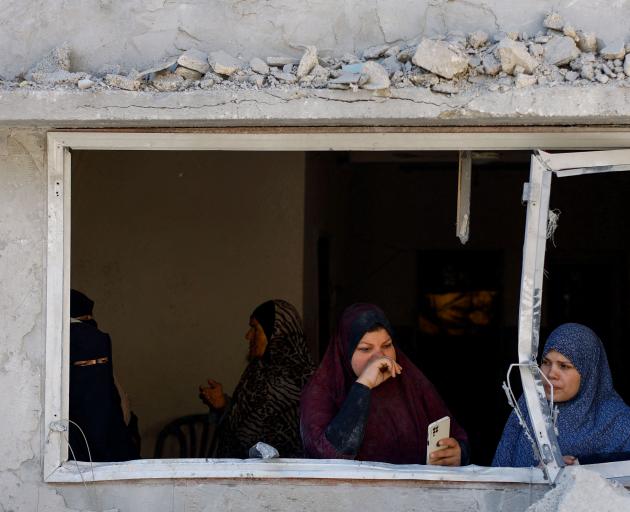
[
  {"x": 524, "y": 80},
  {"x": 223, "y": 63},
  {"x": 571, "y": 76},
  {"x": 259, "y": 66},
  {"x": 168, "y": 82},
  {"x": 561, "y": 50},
  {"x": 288, "y": 78},
  {"x": 122, "y": 82},
  {"x": 553, "y": 21},
  {"x": 195, "y": 60},
  {"x": 455, "y": 63},
  {"x": 587, "y": 41},
  {"x": 477, "y": 39},
  {"x": 377, "y": 76},
  {"x": 439, "y": 57},
  {"x": 281, "y": 61},
  {"x": 59, "y": 77},
  {"x": 491, "y": 66},
  {"x": 425, "y": 79},
  {"x": 57, "y": 59},
  {"x": 188, "y": 74},
  {"x": 392, "y": 65},
  {"x": 514, "y": 53},
  {"x": 569, "y": 30},
  {"x": 150, "y": 73},
  {"x": 445, "y": 88},
  {"x": 307, "y": 62},
  {"x": 85, "y": 83},
  {"x": 614, "y": 50},
  {"x": 374, "y": 52}
]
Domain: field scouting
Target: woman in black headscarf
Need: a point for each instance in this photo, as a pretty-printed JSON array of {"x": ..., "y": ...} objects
[{"x": 265, "y": 405}]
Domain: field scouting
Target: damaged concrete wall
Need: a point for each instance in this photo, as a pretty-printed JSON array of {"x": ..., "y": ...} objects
[
  {"x": 137, "y": 32},
  {"x": 22, "y": 314}
]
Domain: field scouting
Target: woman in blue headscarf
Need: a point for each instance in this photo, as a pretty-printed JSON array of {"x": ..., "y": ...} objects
[{"x": 593, "y": 420}]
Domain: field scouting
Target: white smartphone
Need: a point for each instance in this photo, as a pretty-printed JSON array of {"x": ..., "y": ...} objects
[{"x": 440, "y": 429}]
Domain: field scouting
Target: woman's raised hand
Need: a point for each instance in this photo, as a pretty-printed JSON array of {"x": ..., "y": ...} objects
[
  {"x": 212, "y": 394},
  {"x": 378, "y": 370},
  {"x": 449, "y": 454}
]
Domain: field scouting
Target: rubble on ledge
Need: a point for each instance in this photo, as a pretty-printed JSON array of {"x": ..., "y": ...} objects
[{"x": 457, "y": 62}]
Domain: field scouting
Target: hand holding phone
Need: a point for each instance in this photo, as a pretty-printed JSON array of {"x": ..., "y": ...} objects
[{"x": 438, "y": 430}]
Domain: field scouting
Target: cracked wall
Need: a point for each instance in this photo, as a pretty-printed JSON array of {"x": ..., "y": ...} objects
[{"x": 139, "y": 32}]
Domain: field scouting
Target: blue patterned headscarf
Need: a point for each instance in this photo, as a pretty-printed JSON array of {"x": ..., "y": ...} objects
[{"x": 595, "y": 421}]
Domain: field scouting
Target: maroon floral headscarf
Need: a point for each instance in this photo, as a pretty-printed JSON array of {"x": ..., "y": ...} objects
[{"x": 401, "y": 408}]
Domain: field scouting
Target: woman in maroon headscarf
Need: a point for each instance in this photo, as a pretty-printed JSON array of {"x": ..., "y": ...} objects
[{"x": 367, "y": 401}]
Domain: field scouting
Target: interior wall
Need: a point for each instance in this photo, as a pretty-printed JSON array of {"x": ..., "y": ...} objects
[{"x": 176, "y": 249}]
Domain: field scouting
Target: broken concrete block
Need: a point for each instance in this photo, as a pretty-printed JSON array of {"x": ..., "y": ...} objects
[
  {"x": 569, "y": 30},
  {"x": 206, "y": 83},
  {"x": 477, "y": 39},
  {"x": 536, "y": 50},
  {"x": 571, "y": 76},
  {"x": 307, "y": 62},
  {"x": 223, "y": 63},
  {"x": 425, "y": 79},
  {"x": 406, "y": 54},
  {"x": 374, "y": 52},
  {"x": 553, "y": 21},
  {"x": 288, "y": 78},
  {"x": 195, "y": 60},
  {"x": 626, "y": 65},
  {"x": 514, "y": 53},
  {"x": 602, "y": 78},
  {"x": 85, "y": 83},
  {"x": 59, "y": 77},
  {"x": 168, "y": 65},
  {"x": 57, "y": 59},
  {"x": 439, "y": 57},
  {"x": 491, "y": 65},
  {"x": 391, "y": 64},
  {"x": 377, "y": 76},
  {"x": 445, "y": 88},
  {"x": 259, "y": 66},
  {"x": 281, "y": 61},
  {"x": 287, "y": 68},
  {"x": 587, "y": 41},
  {"x": 320, "y": 72},
  {"x": 524, "y": 80},
  {"x": 188, "y": 74},
  {"x": 346, "y": 78},
  {"x": 168, "y": 82},
  {"x": 122, "y": 82},
  {"x": 560, "y": 51},
  {"x": 614, "y": 50},
  {"x": 256, "y": 80},
  {"x": 587, "y": 72}
]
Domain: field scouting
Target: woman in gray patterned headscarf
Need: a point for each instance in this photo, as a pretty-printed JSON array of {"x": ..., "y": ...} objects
[{"x": 265, "y": 405}]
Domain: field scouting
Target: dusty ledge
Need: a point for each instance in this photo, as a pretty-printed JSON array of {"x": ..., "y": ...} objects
[{"x": 558, "y": 105}]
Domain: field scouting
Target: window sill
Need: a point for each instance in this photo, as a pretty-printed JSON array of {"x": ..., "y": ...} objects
[{"x": 288, "y": 468}]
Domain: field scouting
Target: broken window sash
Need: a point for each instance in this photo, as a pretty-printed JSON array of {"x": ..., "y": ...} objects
[
  {"x": 463, "y": 196},
  {"x": 537, "y": 230}
]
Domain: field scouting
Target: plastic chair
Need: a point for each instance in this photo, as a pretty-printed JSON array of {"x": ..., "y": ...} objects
[{"x": 194, "y": 434}]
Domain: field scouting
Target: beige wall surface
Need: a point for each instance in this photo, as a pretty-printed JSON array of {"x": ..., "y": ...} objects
[{"x": 177, "y": 249}]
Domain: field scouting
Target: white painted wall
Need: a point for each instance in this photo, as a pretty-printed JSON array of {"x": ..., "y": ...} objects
[{"x": 135, "y": 33}]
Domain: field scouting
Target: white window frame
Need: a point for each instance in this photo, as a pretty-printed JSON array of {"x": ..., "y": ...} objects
[{"x": 56, "y": 468}]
